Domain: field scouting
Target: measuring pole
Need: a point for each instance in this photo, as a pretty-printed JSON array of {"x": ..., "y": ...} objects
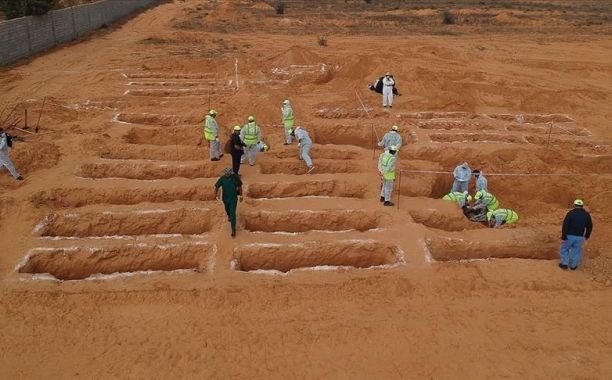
[
  {"x": 399, "y": 188},
  {"x": 40, "y": 114},
  {"x": 236, "y": 68}
]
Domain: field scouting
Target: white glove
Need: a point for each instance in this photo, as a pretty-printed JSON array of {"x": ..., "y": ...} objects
[{"x": 299, "y": 145}]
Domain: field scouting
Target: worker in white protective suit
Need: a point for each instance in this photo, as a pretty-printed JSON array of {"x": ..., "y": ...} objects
[
  {"x": 388, "y": 83},
  {"x": 481, "y": 181},
  {"x": 250, "y": 134},
  {"x": 386, "y": 167},
  {"x": 391, "y": 138},
  {"x": 304, "y": 145},
  {"x": 287, "y": 112},
  {"x": 5, "y": 159},
  {"x": 462, "y": 175}
]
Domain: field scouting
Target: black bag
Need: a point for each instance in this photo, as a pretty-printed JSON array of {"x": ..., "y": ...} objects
[
  {"x": 9, "y": 140},
  {"x": 378, "y": 86}
]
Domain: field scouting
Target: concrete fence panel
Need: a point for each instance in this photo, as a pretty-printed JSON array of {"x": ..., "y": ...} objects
[
  {"x": 14, "y": 40},
  {"x": 42, "y": 35},
  {"x": 25, "y": 36},
  {"x": 63, "y": 27}
]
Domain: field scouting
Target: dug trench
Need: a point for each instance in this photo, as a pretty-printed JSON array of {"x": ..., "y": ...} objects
[
  {"x": 156, "y": 119},
  {"x": 476, "y": 138},
  {"x": 179, "y": 92},
  {"x": 501, "y": 244},
  {"x": 81, "y": 196},
  {"x": 149, "y": 170},
  {"x": 321, "y": 167},
  {"x": 195, "y": 153},
  {"x": 325, "y": 188},
  {"x": 286, "y": 257},
  {"x": 189, "y": 221},
  {"x": 303, "y": 221},
  {"x": 82, "y": 262}
]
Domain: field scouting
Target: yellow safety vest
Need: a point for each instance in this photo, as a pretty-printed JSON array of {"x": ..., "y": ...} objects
[
  {"x": 493, "y": 203},
  {"x": 453, "y": 196},
  {"x": 209, "y": 133},
  {"x": 386, "y": 166},
  {"x": 510, "y": 216},
  {"x": 251, "y": 134}
]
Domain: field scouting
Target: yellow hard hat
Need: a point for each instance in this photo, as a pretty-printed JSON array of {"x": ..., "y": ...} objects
[
  {"x": 251, "y": 118},
  {"x": 265, "y": 147},
  {"x": 236, "y": 128},
  {"x": 578, "y": 202},
  {"x": 394, "y": 128},
  {"x": 212, "y": 112}
]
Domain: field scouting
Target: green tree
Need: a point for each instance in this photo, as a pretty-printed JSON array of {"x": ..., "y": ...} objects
[{"x": 20, "y": 8}]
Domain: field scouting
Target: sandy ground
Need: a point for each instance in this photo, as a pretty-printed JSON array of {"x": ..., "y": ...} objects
[{"x": 116, "y": 262}]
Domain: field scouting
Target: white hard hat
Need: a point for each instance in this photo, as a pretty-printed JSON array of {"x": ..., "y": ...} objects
[{"x": 286, "y": 101}]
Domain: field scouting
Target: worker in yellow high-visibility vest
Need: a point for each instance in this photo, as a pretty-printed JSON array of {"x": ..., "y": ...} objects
[
  {"x": 287, "y": 111},
  {"x": 211, "y": 134},
  {"x": 386, "y": 167},
  {"x": 250, "y": 134}
]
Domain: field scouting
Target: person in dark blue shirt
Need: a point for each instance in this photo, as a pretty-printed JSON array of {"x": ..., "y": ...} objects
[{"x": 577, "y": 227}]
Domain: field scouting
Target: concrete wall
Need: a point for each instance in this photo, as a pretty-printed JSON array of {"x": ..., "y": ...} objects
[{"x": 26, "y": 36}]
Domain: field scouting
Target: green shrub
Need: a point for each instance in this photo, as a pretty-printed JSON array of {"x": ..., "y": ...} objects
[{"x": 20, "y": 8}]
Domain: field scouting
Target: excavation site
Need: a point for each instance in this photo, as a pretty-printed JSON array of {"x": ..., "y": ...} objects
[{"x": 330, "y": 189}]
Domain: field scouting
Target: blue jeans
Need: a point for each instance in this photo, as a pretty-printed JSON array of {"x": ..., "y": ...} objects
[{"x": 571, "y": 250}]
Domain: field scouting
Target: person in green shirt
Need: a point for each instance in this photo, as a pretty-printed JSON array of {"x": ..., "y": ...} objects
[{"x": 232, "y": 189}]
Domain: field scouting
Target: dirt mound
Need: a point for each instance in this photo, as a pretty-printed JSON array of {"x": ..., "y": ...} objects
[
  {"x": 29, "y": 156},
  {"x": 296, "y": 55}
]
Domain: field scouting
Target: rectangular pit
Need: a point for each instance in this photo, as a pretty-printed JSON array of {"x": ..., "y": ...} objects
[
  {"x": 156, "y": 119},
  {"x": 83, "y": 262},
  {"x": 189, "y": 221},
  {"x": 154, "y": 152},
  {"x": 319, "y": 152},
  {"x": 145, "y": 75},
  {"x": 148, "y": 170},
  {"x": 81, "y": 196},
  {"x": 174, "y": 136},
  {"x": 321, "y": 167},
  {"x": 330, "y": 188},
  {"x": 286, "y": 257},
  {"x": 476, "y": 138},
  {"x": 177, "y": 92},
  {"x": 520, "y": 246},
  {"x": 304, "y": 221},
  {"x": 453, "y": 124}
]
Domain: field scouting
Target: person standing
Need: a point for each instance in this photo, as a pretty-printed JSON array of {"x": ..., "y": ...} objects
[
  {"x": 236, "y": 149},
  {"x": 6, "y": 143},
  {"x": 462, "y": 175},
  {"x": 287, "y": 112},
  {"x": 391, "y": 138},
  {"x": 577, "y": 227},
  {"x": 386, "y": 167},
  {"x": 232, "y": 189},
  {"x": 388, "y": 83},
  {"x": 481, "y": 181},
  {"x": 211, "y": 134},
  {"x": 304, "y": 145},
  {"x": 250, "y": 134}
]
